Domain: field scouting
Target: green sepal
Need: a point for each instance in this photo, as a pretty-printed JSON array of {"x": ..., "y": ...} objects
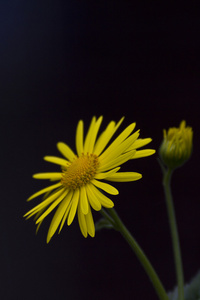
[
  {"x": 191, "y": 290},
  {"x": 103, "y": 223}
]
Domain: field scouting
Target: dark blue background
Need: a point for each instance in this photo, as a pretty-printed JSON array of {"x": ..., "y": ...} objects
[{"x": 65, "y": 60}]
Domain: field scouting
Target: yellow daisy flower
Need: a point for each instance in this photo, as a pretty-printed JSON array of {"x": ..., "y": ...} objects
[{"x": 81, "y": 183}]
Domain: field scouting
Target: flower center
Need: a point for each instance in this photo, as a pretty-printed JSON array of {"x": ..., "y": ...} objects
[{"x": 80, "y": 171}]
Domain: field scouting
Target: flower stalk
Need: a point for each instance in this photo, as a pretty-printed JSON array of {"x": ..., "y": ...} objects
[
  {"x": 175, "y": 150},
  {"x": 118, "y": 225},
  {"x": 174, "y": 232}
]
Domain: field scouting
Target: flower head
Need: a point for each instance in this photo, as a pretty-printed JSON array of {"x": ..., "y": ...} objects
[
  {"x": 80, "y": 180},
  {"x": 176, "y": 147}
]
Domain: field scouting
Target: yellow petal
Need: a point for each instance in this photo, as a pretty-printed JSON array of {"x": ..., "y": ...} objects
[
  {"x": 39, "y": 213},
  {"x": 106, "y": 174},
  {"x": 94, "y": 134},
  {"x": 116, "y": 161},
  {"x": 75, "y": 200},
  {"x": 89, "y": 136},
  {"x": 139, "y": 143},
  {"x": 105, "y": 187},
  {"x": 66, "y": 151},
  {"x": 105, "y": 137},
  {"x": 116, "y": 152},
  {"x": 82, "y": 222},
  {"x": 65, "y": 216},
  {"x": 143, "y": 153},
  {"x": 38, "y": 227},
  {"x": 59, "y": 214},
  {"x": 53, "y": 205},
  {"x": 83, "y": 200},
  {"x": 49, "y": 188},
  {"x": 90, "y": 223},
  {"x": 115, "y": 144},
  {"x": 51, "y": 176},
  {"x": 79, "y": 138},
  {"x": 124, "y": 176},
  {"x": 93, "y": 200},
  {"x": 44, "y": 203},
  {"x": 56, "y": 160},
  {"x": 105, "y": 201}
]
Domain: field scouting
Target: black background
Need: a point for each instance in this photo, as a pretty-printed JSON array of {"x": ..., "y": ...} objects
[{"x": 61, "y": 61}]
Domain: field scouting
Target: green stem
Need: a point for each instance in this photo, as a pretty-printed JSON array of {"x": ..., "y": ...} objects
[
  {"x": 108, "y": 217},
  {"x": 174, "y": 233},
  {"x": 140, "y": 255}
]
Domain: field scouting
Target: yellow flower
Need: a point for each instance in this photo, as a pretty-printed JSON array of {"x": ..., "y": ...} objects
[
  {"x": 81, "y": 178},
  {"x": 176, "y": 147}
]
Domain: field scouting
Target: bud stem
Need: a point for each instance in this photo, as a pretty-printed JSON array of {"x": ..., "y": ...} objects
[{"x": 174, "y": 233}]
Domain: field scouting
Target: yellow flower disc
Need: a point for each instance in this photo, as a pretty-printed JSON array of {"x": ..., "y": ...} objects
[{"x": 80, "y": 171}]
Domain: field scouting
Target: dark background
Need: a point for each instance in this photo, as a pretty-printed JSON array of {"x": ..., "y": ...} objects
[{"x": 61, "y": 61}]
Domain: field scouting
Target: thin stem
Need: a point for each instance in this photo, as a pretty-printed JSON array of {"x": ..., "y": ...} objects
[
  {"x": 108, "y": 217},
  {"x": 174, "y": 233},
  {"x": 140, "y": 255}
]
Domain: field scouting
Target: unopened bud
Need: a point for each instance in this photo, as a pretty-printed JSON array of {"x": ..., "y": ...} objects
[{"x": 176, "y": 147}]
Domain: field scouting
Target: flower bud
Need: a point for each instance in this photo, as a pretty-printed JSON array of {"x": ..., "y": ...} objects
[{"x": 176, "y": 147}]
